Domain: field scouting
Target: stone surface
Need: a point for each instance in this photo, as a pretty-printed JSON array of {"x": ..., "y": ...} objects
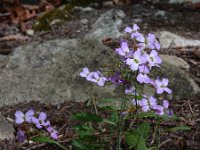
[
  {"x": 182, "y": 1},
  {"x": 6, "y": 129},
  {"x": 168, "y": 39},
  {"x": 107, "y": 25},
  {"x": 176, "y": 69},
  {"x": 181, "y": 83},
  {"x": 49, "y": 72}
]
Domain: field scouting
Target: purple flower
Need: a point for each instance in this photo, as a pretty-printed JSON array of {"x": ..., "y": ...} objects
[
  {"x": 165, "y": 104},
  {"x": 123, "y": 50},
  {"x": 85, "y": 72},
  {"x": 53, "y": 132},
  {"x": 142, "y": 76},
  {"x": 138, "y": 36},
  {"x": 130, "y": 90},
  {"x": 152, "y": 102},
  {"x": 21, "y": 136},
  {"x": 136, "y": 60},
  {"x": 117, "y": 79},
  {"x": 140, "y": 46},
  {"x": 161, "y": 86},
  {"x": 159, "y": 110},
  {"x": 170, "y": 113},
  {"x": 130, "y": 30},
  {"x": 152, "y": 42},
  {"x": 21, "y": 117},
  {"x": 144, "y": 104},
  {"x": 98, "y": 78},
  {"x": 143, "y": 69},
  {"x": 40, "y": 121},
  {"x": 153, "y": 58}
]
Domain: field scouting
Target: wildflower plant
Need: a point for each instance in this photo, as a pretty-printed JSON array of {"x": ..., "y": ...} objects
[
  {"x": 33, "y": 122},
  {"x": 137, "y": 56}
]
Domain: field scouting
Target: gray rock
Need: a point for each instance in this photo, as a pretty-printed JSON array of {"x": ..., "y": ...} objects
[
  {"x": 6, "y": 129},
  {"x": 182, "y": 1},
  {"x": 168, "y": 39},
  {"x": 84, "y": 9},
  {"x": 49, "y": 72},
  {"x": 160, "y": 13},
  {"x": 108, "y": 4},
  {"x": 181, "y": 83},
  {"x": 176, "y": 69},
  {"x": 84, "y": 21},
  {"x": 107, "y": 25}
]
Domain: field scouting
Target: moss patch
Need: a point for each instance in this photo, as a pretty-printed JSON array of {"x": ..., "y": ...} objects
[{"x": 45, "y": 21}]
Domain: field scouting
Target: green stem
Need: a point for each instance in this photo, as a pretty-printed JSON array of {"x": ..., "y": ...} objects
[
  {"x": 158, "y": 128},
  {"x": 120, "y": 125}
]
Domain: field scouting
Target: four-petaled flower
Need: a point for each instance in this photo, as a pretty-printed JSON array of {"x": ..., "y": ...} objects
[
  {"x": 123, "y": 50},
  {"x": 41, "y": 120},
  {"x": 131, "y": 30},
  {"x": 142, "y": 76},
  {"x": 161, "y": 86},
  {"x": 21, "y": 117},
  {"x": 53, "y": 132},
  {"x": 136, "y": 60},
  {"x": 153, "y": 58},
  {"x": 152, "y": 42},
  {"x": 97, "y": 77},
  {"x": 30, "y": 117}
]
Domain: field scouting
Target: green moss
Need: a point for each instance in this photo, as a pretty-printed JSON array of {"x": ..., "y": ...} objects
[{"x": 44, "y": 22}]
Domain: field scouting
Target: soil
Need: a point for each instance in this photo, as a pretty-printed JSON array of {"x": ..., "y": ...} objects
[{"x": 181, "y": 19}]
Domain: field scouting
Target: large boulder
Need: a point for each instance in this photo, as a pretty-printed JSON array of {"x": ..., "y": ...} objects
[
  {"x": 181, "y": 83},
  {"x": 49, "y": 71},
  {"x": 168, "y": 39},
  {"x": 6, "y": 129}
]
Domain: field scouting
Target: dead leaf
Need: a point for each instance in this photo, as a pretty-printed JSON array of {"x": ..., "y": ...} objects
[{"x": 17, "y": 37}]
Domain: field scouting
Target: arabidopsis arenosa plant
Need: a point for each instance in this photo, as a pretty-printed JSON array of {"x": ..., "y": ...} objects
[
  {"x": 140, "y": 59},
  {"x": 39, "y": 120}
]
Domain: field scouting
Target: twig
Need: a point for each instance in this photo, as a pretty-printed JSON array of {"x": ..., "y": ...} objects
[
  {"x": 164, "y": 142},
  {"x": 62, "y": 127},
  {"x": 182, "y": 105},
  {"x": 37, "y": 146},
  {"x": 191, "y": 110},
  {"x": 4, "y": 14}
]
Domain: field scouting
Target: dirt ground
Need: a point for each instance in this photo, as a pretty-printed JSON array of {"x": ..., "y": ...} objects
[{"x": 181, "y": 19}]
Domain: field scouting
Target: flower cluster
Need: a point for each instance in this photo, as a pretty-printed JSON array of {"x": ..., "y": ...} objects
[
  {"x": 140, "y": 58},
  {"x": 95, "y": 77},
  {"x": 38, "y": 119}
]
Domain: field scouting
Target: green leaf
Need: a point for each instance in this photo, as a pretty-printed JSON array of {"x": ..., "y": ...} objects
[
  {"x": 179, "y": 128},
  {"x": 113, "y": 108},
  {"x": 81, "y": 144},
  {"x": 44, "y": 139},
  {"x": 107, "y": 100},
  {"x": 109, "y": 122},
  {"x": 137, "y": 138},
  {"x": 152, "y": 114},
  {"x": 143, "y": 130},
  {"x": 78, "y": 144},
  {"x": 136, "y": 141},
  {"x": 83, "y": 130},
  {"x": 114, "y": 117},
  {"x": 87, "y": 117}
]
